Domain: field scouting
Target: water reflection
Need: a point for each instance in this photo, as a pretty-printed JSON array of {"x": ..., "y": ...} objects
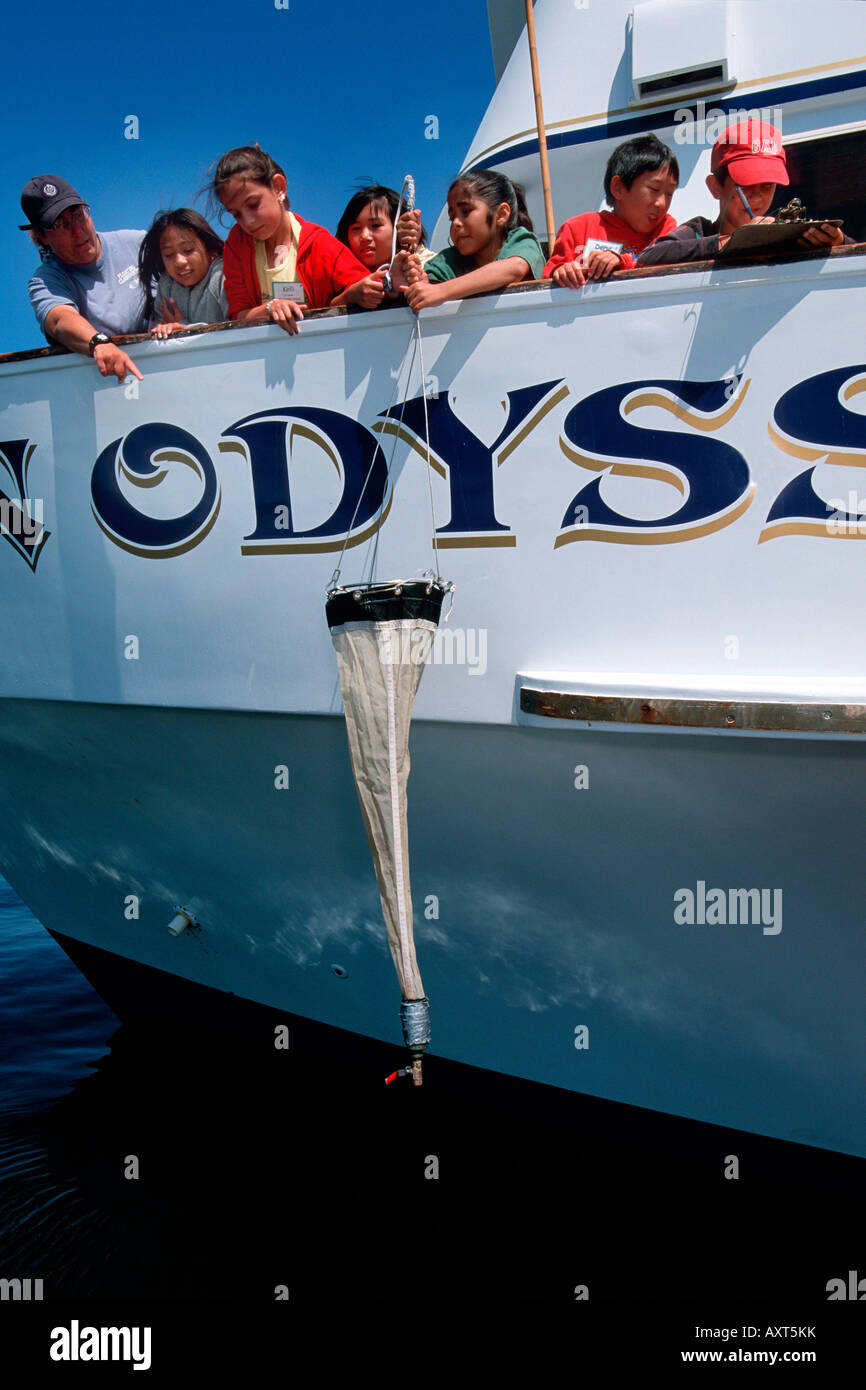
[{"x": 258, "y": 1167}]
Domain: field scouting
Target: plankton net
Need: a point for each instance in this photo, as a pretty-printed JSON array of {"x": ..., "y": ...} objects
[{"x": 383, "y": 633}]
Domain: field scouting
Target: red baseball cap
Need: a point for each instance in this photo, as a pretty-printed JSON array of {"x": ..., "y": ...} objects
[{"x": 751, "y": 151}]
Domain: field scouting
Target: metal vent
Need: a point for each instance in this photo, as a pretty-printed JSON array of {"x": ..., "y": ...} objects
[
  {"x": 696, "y": 79},
  {"x": 680, "y": 47}
]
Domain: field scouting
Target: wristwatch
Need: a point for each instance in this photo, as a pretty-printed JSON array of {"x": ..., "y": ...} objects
[{"x": 96, "y": 340}]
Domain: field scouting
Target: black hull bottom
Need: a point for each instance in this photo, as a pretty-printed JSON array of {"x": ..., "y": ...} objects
[
  {"x": 143, "y": 996},
  {"x": 261, "y": 1169}
]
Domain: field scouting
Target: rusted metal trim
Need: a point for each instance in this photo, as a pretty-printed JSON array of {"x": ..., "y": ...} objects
[
  {"x": 131, "y": 339},
  {"x": 783, "y": 716},
  {"x": 645, "y": 272}
]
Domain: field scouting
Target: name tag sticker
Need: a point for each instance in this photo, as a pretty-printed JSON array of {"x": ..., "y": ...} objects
[
  {"x": 593, "y": 243},
  {"x": 289, "y": 289}
]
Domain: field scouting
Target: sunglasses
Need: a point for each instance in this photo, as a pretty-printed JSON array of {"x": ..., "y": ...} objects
[{"x": 72, "y": 217}]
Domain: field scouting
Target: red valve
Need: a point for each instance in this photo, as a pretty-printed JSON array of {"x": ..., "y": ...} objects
[{"x": 395, "y": 1075}]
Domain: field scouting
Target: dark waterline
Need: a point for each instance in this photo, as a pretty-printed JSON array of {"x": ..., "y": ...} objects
[{"x": 259, "y": 1167}]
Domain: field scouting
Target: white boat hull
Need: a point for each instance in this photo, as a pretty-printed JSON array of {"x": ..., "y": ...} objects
[
  {"x": 546, "y": 853},
  {"x": 555, "y": 908}
]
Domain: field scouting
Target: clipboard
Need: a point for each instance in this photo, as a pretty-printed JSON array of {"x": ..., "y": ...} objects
[{"x": 760, "y": 236}]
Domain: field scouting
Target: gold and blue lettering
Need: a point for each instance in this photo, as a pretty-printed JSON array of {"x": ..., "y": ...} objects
[
  {"x": 711, "y": 477},
  {"x": 811, "y": 421},
  {"x": 267, "y": 439},
  {"x": 468, "y": 464},
  {"x": 141, "y": 457}
]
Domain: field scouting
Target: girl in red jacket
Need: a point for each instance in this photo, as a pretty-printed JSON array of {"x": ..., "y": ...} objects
[{"x": 275, "y": 261}]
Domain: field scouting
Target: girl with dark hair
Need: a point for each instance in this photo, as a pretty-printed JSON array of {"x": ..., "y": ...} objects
[
  {"x": 367, "y": 228},
  {"x": 180, "y": 268},
  {"x": 493, "y": 243},
  {"x": 275, "y": 261}
]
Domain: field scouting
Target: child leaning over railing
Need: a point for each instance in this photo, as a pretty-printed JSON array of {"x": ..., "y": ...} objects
[{"x": 493, "y": 243}]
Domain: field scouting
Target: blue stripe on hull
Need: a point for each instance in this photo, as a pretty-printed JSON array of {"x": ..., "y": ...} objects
[{"x": 656, "y": 120}]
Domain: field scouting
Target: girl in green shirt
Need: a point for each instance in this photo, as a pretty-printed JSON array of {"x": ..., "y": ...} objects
[{"x": 493, "y": 244}]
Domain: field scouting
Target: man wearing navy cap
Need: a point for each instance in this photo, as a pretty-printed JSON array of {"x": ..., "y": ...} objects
[{"x": 87, "y": 287}]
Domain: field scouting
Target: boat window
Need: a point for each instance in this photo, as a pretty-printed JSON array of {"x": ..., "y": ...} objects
[{"x": 826, "y": 175}]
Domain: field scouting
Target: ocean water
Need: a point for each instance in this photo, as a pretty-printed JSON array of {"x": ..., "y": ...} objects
[
  {"x": 184, "y": 1159},
  {"x": 53, "y": 1024}
]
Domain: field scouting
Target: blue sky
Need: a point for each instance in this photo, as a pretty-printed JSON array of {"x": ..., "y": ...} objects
[{"x": 336, "y": 92}]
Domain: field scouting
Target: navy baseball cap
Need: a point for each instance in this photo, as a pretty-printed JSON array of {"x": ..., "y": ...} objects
[{"x": 44, "y": 198}]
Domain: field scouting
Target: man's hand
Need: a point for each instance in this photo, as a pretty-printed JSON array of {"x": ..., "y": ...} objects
[
  {"x": 821, "y": 237},
  {"x": 66, "y": 326},
  {"x": 113, "y": 361},
  {"x": 569, "y": 276}
]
